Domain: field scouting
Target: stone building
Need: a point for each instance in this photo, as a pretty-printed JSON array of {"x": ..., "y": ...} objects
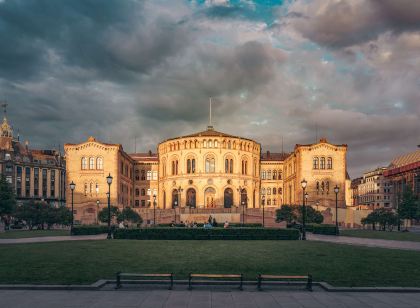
[
  {"x": 404, "y": 172},
  {"x": 33, "y": 174},
  {"x": 375, "y": 190},
  {"x": 208, "y": 170}
]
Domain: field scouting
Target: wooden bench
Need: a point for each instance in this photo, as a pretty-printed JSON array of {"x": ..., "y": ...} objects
[
  {"x": 215, "y": 276},
  {"x": 262, "y": 277},
  {"x": 133, "y": 275}
]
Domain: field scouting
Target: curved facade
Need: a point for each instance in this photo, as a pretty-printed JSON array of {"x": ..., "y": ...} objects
[{"x": 209, "y": 169}]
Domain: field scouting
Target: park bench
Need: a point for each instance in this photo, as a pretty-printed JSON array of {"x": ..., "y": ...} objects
[
  {"x": 262, "y": 277},
  {"x": 138, "y": 277},
  {"x": 215, "y": 276}
]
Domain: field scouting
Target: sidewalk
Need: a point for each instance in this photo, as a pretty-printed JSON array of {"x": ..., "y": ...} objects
[
  {"x": 205, "y": 298},
  {"x": 405, "y": 245},
  {"x": 52, "y": 239}
]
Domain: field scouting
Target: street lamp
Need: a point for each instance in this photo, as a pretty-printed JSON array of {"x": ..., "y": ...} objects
[
  {"x": 175, "y": 205},
  {"x": 72, "y": 187},
  {"x": 154, "y": 209},
  {"x": 97, "y": 211},
  {"x": 336, "y": 190},
  {"x": 243, "y": 203},
  {"x": 109, "y": 181},
  {"x": 304, "y": 184},
  {"x": 263, "y": 213}
]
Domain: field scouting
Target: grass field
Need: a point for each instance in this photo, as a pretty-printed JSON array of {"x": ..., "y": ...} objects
[
  {"x": 386, "y": 235},
  {"x": 33, "y": 233},
  {"x": 87, "y": 261}
]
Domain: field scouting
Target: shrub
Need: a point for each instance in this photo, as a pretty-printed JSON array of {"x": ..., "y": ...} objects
[
  {"x": 90, "y": 230},
  {"x": 206, "y": 234},
  {"x": 324, "y": 229}
]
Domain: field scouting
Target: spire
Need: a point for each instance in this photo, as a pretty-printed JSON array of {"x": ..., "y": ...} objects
[
  {"x": 4, "y": 106},
  {"x": 210, "y": 126},
  {"x": 5, "y": 129}
]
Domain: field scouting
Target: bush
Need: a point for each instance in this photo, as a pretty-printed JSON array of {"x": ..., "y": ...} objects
[
  {"x": 324, "y": 229},
  {"x": 207, "y": 234},
  {"x": 90, "y": 230}
]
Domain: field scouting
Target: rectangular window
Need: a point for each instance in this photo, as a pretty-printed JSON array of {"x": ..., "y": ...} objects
[
  {"x": 44, "y": 182},
  {"x": 137, "y": 203},
  {"x": 27, "y": 182},
  {"x": 36, "y": 182},
  {"x": 143, "y": 203},
  {"x": 52, "y": 183},
  {"x": 19, "y": 181},
  {"x": 155, "y": 176},
  {"x": 149, "y": 175}
]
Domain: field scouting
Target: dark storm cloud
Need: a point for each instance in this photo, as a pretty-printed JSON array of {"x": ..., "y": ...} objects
[
  {"x": 112, "y": 38},
  {"x": 344, "y": 23}
]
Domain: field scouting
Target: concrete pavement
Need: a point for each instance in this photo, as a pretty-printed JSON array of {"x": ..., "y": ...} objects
[
  {"x": 369, "y": 242},
  {"x": 204, "y": 298}
]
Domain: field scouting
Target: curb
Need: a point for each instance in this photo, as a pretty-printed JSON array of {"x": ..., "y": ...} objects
[{"x": 98, "y": 285}]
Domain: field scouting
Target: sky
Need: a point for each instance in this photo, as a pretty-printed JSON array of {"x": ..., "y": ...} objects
[{"x": 291, "y": 70}]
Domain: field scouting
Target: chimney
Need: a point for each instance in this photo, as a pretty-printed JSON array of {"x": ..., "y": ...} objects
[
  {"x": 150, "y": 152},
  {"x": 268, "y": 154}
]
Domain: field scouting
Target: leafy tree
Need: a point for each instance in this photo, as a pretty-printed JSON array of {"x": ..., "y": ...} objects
[
  {"x": 103, "y": 214},
  {"x": 286, "y": 213},
  {"x": 290, "y": 213},
  {"x": 383, "y": 217},
  {"x": 7, "y": 199},
  {"x": 312, "y": 215},
  {"x": 128, "y": 214},
  {"x": 408, "y": 207}
]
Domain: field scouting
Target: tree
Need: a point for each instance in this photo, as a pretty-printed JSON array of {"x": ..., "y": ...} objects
[
  {"x": 312, "y": 215},
  {"x": 385, "y": 218},
  {"x": 290, "y": 213},
  {"x": 128, "y": 214},
  {"x": 408, "y": 208},
  {"x": 103, "y": 214},
  {"x": 7, "y": 199},
  {"x": 285, "y": 213}
]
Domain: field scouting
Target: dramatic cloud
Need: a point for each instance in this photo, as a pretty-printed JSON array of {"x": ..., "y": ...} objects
[{"x": 144, "y": 70}]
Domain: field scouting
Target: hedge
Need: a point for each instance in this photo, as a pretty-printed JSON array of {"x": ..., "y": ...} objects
[
  {"x": 89, "y": 230},
  {"x": 324, "y": 229},
  {"x": 206, "y": 234},
  {"x": 200, "y": 225}
]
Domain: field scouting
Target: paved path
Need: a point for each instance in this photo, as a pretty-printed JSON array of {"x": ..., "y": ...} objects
[
  {"x": 204, "y": 299},
  {"x": 52, "y": 239},
  {"x": 406, "y": 245}
]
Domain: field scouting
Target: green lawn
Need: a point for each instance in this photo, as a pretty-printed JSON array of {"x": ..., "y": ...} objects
[
  {"x": 87, "y": 261},
  {"x": 386, "y": 235},
  {"x": 32, "y": 233}
]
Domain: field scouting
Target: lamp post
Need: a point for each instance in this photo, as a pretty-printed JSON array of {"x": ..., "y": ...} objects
[
  {"x": 97, "y": 211},
  {"x": 154, "y": 210},
  {"x": 109, "y": 182},
  {"x": 72, "y": 187},
  {"x": 243, "y": 213},
  {"x": 303, "y": 183},
  {"x": 336, "y": 190},
  {"x": 263, "y": 213},
  {"x": 175, "y": 205}
]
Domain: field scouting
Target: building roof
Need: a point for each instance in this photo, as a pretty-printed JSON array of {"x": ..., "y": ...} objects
[
  {"x": 268, "y": 156},
  {"x": 405, "y": 159},
  {"x": 149, "y": 156},
  {"x": 209, "y": 132},
  {"x": 322, "y": 140}
]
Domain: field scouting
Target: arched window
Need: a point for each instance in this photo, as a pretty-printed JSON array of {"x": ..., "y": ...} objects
[
  {"x": 228, "y": 165},
  {"x": 280, "y": 190},
  {"x": 274, "y": 201},
  {"x": 91, "y": 163},
  {"x": 269, "y": 175},
  {"x": 263, "y": 191},
  {"x": 274, "y": 191},
  {"x": 210, "y": 165},
  {"x": 228, "y": 198},
  {"x": 210, "y": 144},
  {"x": 86, "y": 189},
  {"x": 275, "y": 175},
  {"x": 316, "y": 163},
  {"x": 280, "y": 175},
  {"x": 231, "y": 166},
  {"x": 188, "y": 165},
  {"x": 229, "y": 145},
  {"x": 205, "y": 144},
  {"x": 143, "y": 192},
  {"x": 329, "y": 163},
  {"x": 191, "y": 198},
  {"x": 216, "y": 144},
  {"x": 269, "y": 191},
  {"x": 137, "y": 175},
  {"x": 263, "y": 175},
  {"x": 268, "y": 201},
  {"x": 322, "y": 164},
  {"x": 327, "y": 187},
  {"x": 84, "y": 163},
  {"x": 99, "y": 163},
  {"x": 91, "y": 188},
  {"x": 244, "y": 167},
  {"x": 137, "y": 192},
  {"x": 143, "y": 175},
  {"x": 322, "y": 187}
]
